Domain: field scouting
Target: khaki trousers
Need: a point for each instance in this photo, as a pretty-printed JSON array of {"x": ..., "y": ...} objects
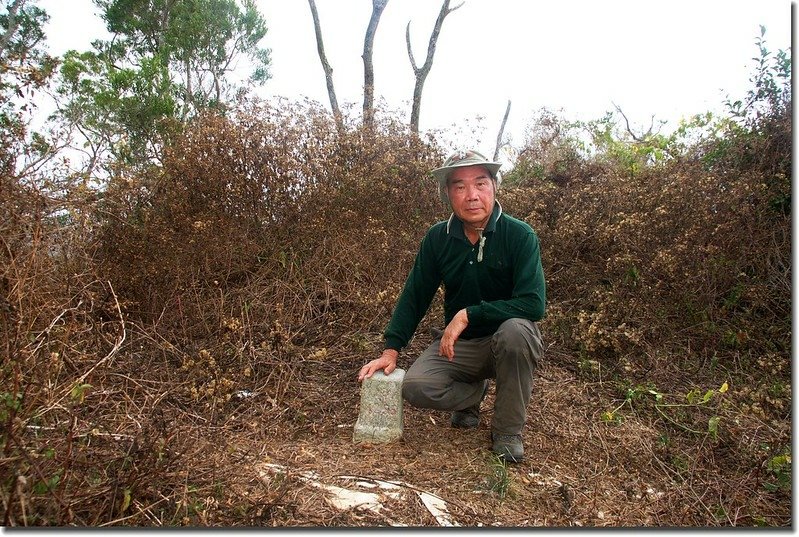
[{"x": 510, "y": 356}]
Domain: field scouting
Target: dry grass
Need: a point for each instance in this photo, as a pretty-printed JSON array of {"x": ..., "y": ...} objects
[{"x": 136, "y": 452}]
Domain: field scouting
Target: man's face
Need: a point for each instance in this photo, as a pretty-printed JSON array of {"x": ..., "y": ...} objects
[{"x": 471, "y": 193}]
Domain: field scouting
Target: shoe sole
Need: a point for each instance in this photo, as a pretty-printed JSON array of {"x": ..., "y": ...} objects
[{"x": 507, "y": 457}]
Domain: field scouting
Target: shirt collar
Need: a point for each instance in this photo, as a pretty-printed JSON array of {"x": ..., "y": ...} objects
[{"x": 457, "y": 229}]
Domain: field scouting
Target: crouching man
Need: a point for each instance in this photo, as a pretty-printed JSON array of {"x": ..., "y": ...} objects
[{"x": 494, "y": 294}]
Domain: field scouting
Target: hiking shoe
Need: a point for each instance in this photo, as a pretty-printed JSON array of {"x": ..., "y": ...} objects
[
  {"x": 469, "y": 418},
  {"x": 508, "y": 447}
]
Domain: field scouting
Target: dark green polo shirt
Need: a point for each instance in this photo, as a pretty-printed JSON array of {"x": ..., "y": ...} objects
[{"x": 507, "y": 283}]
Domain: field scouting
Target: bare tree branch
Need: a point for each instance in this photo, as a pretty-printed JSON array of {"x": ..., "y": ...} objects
[
  {"x": 501, "y": 131},
  {"x": 637, "y": 138},
  {"x": 648, "y": 137},
  {"x": 410, "y": 49},
  {"x": 320, "y": 47},
  {"x": 422, "y": 72},
  {"x": 368, "y": 69}
]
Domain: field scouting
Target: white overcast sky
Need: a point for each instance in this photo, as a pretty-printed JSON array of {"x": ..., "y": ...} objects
[{"x": 669, "y": 59}]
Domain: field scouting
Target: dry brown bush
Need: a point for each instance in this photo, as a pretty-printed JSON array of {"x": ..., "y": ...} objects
[
  {"x": 259, "y": 241},
  {"x": 676, "y": 281},
  {"x": 270, "y": 195},
  {"x": 679, "y": 258},
  {"x": 212, "y": 312},
  {"x": 58, "y": 323}
]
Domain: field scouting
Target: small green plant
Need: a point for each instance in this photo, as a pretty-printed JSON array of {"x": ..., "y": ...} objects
[
  {"x": 79, "y": 391},
  {"x": 713, "y": 426},
  {"x": 191, "y": 506},
  {"x": 499, "y": 482},
  {"x": 9, "y": 403},
  {"x": 721, "y": 513},
  {"x": 126, "y": 497},
  {"x": 633, "y": 275},
  {"x": 771, "y": 81},
  {"x": 631, "y": 395},
  {"x": 779, "y": 472},
  {"x": 612, "y": 417},
  {"x": 674, "y": 413},
  {"x": 695, "y": 399},
  {"x": 42, "y": 487},
  {"x": 759, "y": 521}
]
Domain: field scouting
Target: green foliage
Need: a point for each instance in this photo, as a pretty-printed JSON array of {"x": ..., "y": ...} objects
[
  {"x": 25, "y": 68},
  {"x": 196, "y": 41},
  {"x": 24, "y": 28},
  {"x": 23, "y": 60},
  {"x": 49, "y": 485},
  {"x": 625, "y": 150},
  {"x": 757, "y": 135},
  {"x": 770, "y": 94},
  {"x": 124, "y": 106},
  {"x": 779, "y": 471},
  {"x": 167, "y": 62},
  {"x": 10, "y": 403}
]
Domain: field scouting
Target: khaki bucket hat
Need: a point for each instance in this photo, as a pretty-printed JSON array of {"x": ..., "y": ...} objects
[{"x": 460, "y": 160}]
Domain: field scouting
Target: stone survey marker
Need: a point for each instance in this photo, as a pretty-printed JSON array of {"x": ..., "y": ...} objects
[{"x": 380, "y": 417}]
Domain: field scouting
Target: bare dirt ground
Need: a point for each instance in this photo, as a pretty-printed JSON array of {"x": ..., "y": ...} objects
[
  {"x": 578, "y": 470},
  {"x": 145, "y": 448}
]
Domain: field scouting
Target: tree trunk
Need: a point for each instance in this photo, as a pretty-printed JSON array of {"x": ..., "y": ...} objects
[
  {"x": 501, "y": 132},
  {"x": 13, "y": 24},
  {"x": 320, "y": 47},
  {"x": 422, "y": 72},
  {"x": 368, "y": 69},
  {"x": 189, "y": 102}
]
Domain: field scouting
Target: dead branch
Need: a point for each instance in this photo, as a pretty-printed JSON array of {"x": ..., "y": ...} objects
[
  {"x": 637, "y": 138},
  {"x": 422, "y": 72},
  {"x": 501, "y": 132},
  {"x": 100, "y": 362},
  {"x": 368, "y": 68},
  {"x": 118, "y": 343},
  {"x": 320, "y": 47}
]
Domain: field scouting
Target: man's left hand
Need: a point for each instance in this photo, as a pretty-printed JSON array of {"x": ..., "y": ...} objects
[{"x": 451, "y": 334}]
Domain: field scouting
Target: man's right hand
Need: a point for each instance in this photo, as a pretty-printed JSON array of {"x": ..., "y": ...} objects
[{"x": 387, "y": 362}]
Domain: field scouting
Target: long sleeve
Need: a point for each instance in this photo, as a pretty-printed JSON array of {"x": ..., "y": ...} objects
[{"x": 417, "y": 294}]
